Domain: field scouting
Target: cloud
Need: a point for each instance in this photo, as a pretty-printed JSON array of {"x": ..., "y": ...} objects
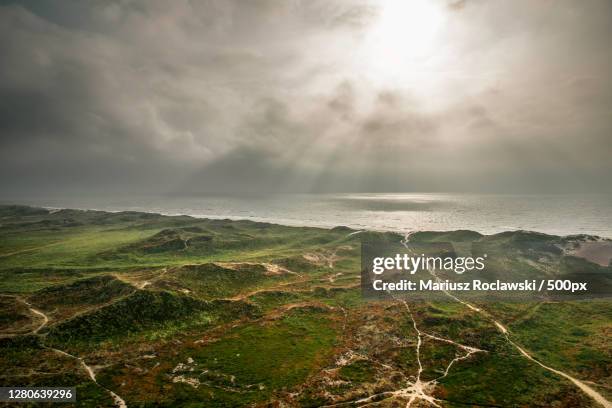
[{"x": 284, "y": 96}]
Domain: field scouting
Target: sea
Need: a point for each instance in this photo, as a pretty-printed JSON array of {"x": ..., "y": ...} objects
[{"x": 400, "y": 212}]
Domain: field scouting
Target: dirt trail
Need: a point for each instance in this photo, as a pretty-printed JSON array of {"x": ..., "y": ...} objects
[
  {"x": 245, "y": 295},
  {"x": 327, "y": 258},
  {"x": 38, "y": 313},
  {"x": 417, "y": 389},
  {"x": 468, "y": 349},
  {"x": 420, "y": 390},
  {"x": 32, "y": 310},
  {"x": 119, "y": 402},
  {"x": 146, "y": 283},
  {"x": 580, "y": 384},
  {"x": 332, "y": 278}
]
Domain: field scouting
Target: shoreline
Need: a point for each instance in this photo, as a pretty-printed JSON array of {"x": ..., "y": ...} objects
[
  {"x": 593, "y": 248},
  {"x": 328, "y": 226},
  {"x": 292, "y": 223},
  {"x": 488, "y": 214}
]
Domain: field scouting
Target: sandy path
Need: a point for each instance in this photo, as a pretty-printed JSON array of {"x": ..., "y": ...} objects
[
  {"x": 585, "y": 388},
  {"x": 417, "y": 390},
  {"x": 146, "y": 283},
  {"x": 119, "y": 402},
  {"x": 580, "y": 384},
  {"x": 32, "y": 310},
  {"x": 38, "y": 313}
]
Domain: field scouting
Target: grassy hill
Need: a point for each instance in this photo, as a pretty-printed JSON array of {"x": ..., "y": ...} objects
[{"x": 180, "y": 311}]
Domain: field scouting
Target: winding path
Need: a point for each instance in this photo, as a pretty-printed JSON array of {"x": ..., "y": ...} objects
[
  {"x": 32, "y": 310},
  {"x": 38, "y": 313},
  {"x": 417, "y": 389},
  {"x": 580, "y": 384},
  {"x": 119, "y": 402}
]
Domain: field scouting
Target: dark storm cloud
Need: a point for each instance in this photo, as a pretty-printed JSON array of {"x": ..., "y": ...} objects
[{"x": 234, "y": 96}]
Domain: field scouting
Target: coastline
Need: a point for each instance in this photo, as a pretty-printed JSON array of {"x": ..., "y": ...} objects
[
  {"x": 485, "y": 213},
  {"x": 588, "y": 254},
  {"x": 307, "y": 224}
]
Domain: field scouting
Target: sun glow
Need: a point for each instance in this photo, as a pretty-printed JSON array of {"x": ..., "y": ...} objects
[{"x": 405, "y": 32}]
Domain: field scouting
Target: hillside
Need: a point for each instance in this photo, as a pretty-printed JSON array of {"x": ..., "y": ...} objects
[{"x": 180, "y": 311}]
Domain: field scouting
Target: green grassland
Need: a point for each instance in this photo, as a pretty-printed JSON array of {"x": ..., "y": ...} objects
[{"x": 180, "y": 311}]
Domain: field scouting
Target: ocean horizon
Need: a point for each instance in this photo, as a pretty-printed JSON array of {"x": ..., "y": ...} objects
[{"x": 563, "y": 214}]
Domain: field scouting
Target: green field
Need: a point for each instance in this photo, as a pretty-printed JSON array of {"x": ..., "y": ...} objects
[{"x": 180, "y": 311}]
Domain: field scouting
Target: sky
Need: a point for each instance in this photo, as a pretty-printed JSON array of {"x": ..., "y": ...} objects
[{"x": 235, "y": 96}]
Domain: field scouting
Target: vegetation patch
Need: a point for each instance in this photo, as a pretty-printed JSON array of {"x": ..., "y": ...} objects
[{"x": 141, "y": 311}]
